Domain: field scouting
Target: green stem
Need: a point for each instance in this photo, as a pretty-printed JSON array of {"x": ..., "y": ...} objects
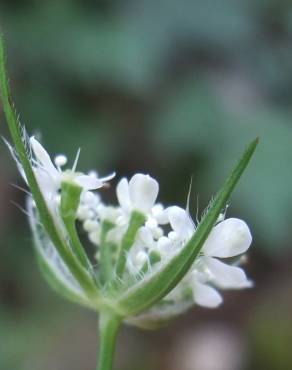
[
  {"x": 78, "y": 247},
  {"x": 106, "y": 253},
  {"x": 70, "y": 200},
  {"x": 108, "y": 330},
  {"x": 136, "y": 221}
]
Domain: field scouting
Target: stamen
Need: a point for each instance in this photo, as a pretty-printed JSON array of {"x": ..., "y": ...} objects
[
  {"x": 76, "y": 160},
  {"x": 60, "y": 160}
]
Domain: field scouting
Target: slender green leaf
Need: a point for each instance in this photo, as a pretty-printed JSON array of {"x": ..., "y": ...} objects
[
  {"x": 151, "y": 289},
  {"x": 19, "y": 138}
]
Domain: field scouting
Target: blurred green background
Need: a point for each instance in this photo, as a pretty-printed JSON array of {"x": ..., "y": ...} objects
[{"x": 175, "y": 89}]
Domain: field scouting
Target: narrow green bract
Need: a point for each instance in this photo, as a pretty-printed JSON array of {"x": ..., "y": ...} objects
[
  {"x": 19, "y": 139},
  {"x": 147, "y": 293}
]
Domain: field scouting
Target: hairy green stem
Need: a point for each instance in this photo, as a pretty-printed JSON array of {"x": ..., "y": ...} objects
[
  {"x": 46, "y": 218},
  {"x": 108, "y": 330}
]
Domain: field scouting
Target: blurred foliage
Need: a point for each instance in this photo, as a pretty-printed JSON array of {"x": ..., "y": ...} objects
[
  {"x": 270, "y": 329},
  {"x": 174, "y": 88}
]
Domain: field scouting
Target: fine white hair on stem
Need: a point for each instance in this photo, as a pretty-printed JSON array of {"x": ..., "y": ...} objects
[
  {"x": 48, "y": 253},
  {"x": 189, "y": 196},
  {"x": 189, "y": 201},
  {"x": 21, "y": 189},
  {"x": 15, "y": 157},
  {"x": 18, "y": 206}
]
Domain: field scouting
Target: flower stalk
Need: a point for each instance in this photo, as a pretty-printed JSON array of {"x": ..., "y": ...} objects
[
  {"x": 106, "y": 253},
  {"x": 108, "y": 330},
  {"x": 137, "y": 219},
  {"x": 70, "y": 199}
]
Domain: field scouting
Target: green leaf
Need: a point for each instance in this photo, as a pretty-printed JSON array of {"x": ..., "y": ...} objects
[
  {"x": 151, "y": 289},
  {"x": 19, "y": 138}
]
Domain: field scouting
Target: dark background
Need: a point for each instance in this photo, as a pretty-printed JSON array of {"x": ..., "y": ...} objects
[{"x": 175, "y": 89}]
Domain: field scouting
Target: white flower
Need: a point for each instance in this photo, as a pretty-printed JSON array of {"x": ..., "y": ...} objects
[
  {"x": 181, "y": 224},
  {"x": 225, "y": 276},
  {"x": 139, "y": 193},
  {"x": 50, "y": 176},
  {"x": 159, "y": 214},
  {"x": 139, "y": 253},
  {"x": 229, "y": 238},
  {"x": 204, "y": 294}
]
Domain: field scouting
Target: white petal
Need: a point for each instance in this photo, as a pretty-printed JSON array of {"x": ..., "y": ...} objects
[
  {"x": 143, "y": 191},
  {"x": 228, "y": 239},
  {"x": 164, "y": 245},
  {"x": 157, "y": 232},
  {"x": 141, "y": 258},
  {"x": 108, "y": 178},
  {"x": 47, "y": 183},
  {"x": 206, "y": 296},
  {"x": 94, "y": 237},
  {"x": 91, "y": 199},
  {"x": 181, "y": 222},
  {"x": 43, "y": 157},
  {"x": 151, "y": 223},
  {"x": 146, "y": 236},
  {"x": 226, "y": 276},
  {"x": 174, "y": 236},
  {"x": 123, "y": 194},
  {"x": 160, "y": 214},
  {"x": 91, "y": 225},
  {"x": 88, "y": 182}
]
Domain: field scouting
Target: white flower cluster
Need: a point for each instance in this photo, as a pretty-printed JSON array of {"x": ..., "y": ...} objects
[
  {"x": 164, "y": 233},
  {"x": 51, "y": 175}
]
